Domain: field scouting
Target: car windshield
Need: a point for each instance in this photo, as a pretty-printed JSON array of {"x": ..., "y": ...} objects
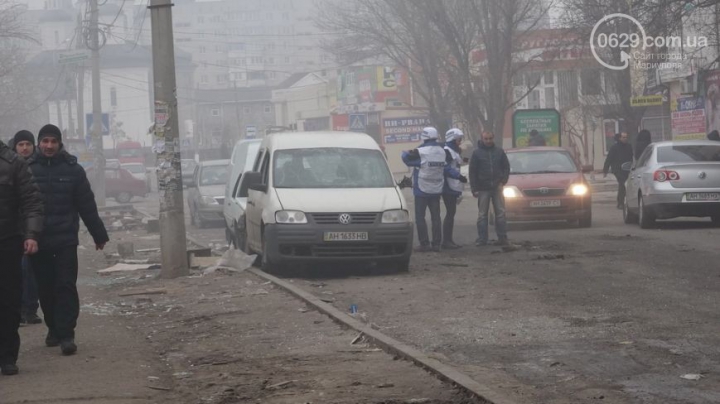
[
  {"x": 541, "y": 162},
  {"x": 331, "y": 168},
  {"x": 135, "y": 168},
  {"x": 688, "y": 154},
  {"x": 214, "y": 175}
]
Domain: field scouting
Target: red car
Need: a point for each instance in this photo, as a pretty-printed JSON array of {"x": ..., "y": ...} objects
[
  {"x": 121, "y": 184},
  {"x": 547, "y": 184}
]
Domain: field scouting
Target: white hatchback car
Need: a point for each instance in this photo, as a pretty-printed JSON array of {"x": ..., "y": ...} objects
[{"x": 674, "y": 179}]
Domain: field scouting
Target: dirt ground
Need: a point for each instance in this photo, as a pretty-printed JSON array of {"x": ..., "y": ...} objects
[{"x": 221, "y": 338}]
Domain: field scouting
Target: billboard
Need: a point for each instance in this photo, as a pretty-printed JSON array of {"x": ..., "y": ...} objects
[
  {"x": 545, "y": 121},
  {"x": 403, "y": 130},
  {"x": 688, "y": 118}
]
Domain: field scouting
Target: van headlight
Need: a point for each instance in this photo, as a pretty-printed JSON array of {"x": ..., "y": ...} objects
[
  {"x": 395, "y": 216},
  {"x": 290, "y": 217},
  {"x": 511, "y": 192},
  {"x": 209, "y": 200},
  {"x": 578, "y": 190}
]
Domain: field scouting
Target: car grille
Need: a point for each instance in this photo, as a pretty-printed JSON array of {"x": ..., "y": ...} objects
[
  {"x": 343, "y": 250},
  {"x": 334, "y": 218},
  {"x": 542, "y": 192}
]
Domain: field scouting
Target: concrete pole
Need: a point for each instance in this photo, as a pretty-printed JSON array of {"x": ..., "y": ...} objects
[
  {"x": 173, "y": 241},
  {"x": 97, "y": 139},
  {"x": 80, "y": 100}
]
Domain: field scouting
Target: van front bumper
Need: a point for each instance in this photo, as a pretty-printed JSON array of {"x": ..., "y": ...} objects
[{"x": 300, "y": 243}]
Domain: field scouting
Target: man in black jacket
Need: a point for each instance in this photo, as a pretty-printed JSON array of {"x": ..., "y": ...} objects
[
  {"x": 489, "y": 172},
  {"x": 68, "y": 195},
  {"x": 21, "y": 221},
  {"x": 620, "y": 153}
]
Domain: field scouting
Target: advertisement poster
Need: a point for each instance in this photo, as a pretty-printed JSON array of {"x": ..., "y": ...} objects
[
  {"x": 545, "y": 121},
  {"x": 712, "y": 100},
  {"x": 688, "y": 119},
  {"x": 404, "y": 130},
  {"x": 341, "y": 123}
]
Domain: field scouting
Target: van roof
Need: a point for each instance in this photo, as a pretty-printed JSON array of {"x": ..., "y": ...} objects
[{"x": 314, "y": 140}]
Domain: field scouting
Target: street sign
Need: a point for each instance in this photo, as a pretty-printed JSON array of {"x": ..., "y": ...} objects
[
  {"x": 358, "y": 122},
  {"x": 250, "y": 132},
  {"x": 105, "y": 124},
  {"x": 72, "y": 57},
  {"x": 647, "y": 101}
]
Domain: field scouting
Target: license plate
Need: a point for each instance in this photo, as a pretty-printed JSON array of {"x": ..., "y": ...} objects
[
  {"x": 346, "y": 236},
  {"x": 703, "y": 196},
  {"x": 545, "y": 204}
]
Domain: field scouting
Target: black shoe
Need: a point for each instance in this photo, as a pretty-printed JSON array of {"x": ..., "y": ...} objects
[
  {"x": 9, "y": 369},
  {"x": 30, "y": 318},
  {"x": 436, "y": 248},
  {"x": 68, "y": 347},
  {"x": 51, "y": 341},
  {"x": 451, "y": 246},
  {"x": 502, "y": 242},
  {"x": 423, "y": 249}
]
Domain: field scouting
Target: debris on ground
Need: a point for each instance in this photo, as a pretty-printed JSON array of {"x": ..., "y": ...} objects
[
  {"x": 549, "y": 257},
  {"x": 232, "y": 261},
  {"x": 158, "y": 291},
  {"x": 120, "y": 267},
  {"x": 692, "y": 376}
]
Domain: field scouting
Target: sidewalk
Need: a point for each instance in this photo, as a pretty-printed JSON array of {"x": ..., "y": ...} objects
[{"x": 221, "y": 338}]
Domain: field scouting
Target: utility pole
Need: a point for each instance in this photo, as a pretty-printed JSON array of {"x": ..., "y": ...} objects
[
  {"x": 173, "y": 242},
  {"x": 80, "y": 104},
  {"x": 97, "y": 138}
]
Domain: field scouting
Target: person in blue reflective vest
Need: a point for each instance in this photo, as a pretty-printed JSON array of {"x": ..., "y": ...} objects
[
  {"x": 452, "y": 193},
  {"x": 430, "y": 169}
]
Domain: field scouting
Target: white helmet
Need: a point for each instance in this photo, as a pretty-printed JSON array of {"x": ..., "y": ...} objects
[
  {"x": 453, "y": 135},
  {"x": 429, "y": 133}
]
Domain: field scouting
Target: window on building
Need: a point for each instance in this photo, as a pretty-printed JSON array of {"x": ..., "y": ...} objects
[
  {"x": 215, "y": 112},
  {"x": 203, "y": 49},
  {"x": 268, "y": 108},
  {"x": 271, "y": 61},
  {"x": 204, "y": 79},
  {"x": 113, "y": 97},
  {"x": 221, "y": 78},
  {"x": 286, "y": 16},
  {"x": 247, "y": 110},
  {"x": 201, "y": 19},
  {"x": 590, "y": 82},
  {"x": 256, "y": 76},
  {"x": 57, "y": 38},
  {"x": 256, "y": 60},
  {"x": 549, "y": 78},
  {"x": 534, "y": 99},
  {"x": 568, "y": 88},
  {"x": 287, "y": 60},
  {"x": 533, "y": 79},
  {"x": 549, "y": 97}
]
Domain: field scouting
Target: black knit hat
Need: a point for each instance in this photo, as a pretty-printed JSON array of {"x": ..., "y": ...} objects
[
  {"x": 50, "y": 130},
  {"x": 23, "y": 136}
]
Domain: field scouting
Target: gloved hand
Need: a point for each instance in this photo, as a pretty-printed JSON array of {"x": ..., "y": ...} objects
[{"x": 463, "y": 179}]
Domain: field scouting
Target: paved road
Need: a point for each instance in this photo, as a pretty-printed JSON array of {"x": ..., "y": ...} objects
[{"x": 611, "y": 313}]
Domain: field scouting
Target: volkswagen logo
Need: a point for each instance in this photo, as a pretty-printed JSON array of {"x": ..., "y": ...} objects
[
  {"x": 544, "y": 191},
  {"x": 702, "y": 175},
  {"x": 345, "y": 219}
]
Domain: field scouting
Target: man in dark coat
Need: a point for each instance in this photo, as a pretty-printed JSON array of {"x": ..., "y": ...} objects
[
  {"x": 68, "y": 198},
  {"x": 21, "y": 221},
  {"x": 619, "y": 154}
]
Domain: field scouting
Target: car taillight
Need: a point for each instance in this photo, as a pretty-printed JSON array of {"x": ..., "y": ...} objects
[{"x": 666, "y": 175}]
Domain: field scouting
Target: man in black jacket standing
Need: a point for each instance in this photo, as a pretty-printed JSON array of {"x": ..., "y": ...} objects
[
  {"x": 68, "y": 197},
  {"x": 489, "y": 172},
  {"x": 620, "y": 153},
  {"x": 21, "y": 221}
]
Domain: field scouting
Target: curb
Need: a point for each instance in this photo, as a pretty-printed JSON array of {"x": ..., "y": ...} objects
[{"x": 390, "y": 345}]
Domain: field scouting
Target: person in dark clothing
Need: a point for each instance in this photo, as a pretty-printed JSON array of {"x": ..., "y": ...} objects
[
  {"x": 21, "y": 221},
  {"x": 536, "y": 139},
  {"x": 714, "y": 135},
  {"x": 644, "y": 138},
  {"x": 619, "y": 154},
  {"x": 68, "y": 195},
  {"x": 24, "y": 146},
  {"x": 489, "y": 172}
]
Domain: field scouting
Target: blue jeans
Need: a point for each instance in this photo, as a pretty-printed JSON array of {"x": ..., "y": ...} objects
[
  {"x": 29, "y": 288},
  {"x": 498, "y": 201},
  {"x": 421, "y": 205}
]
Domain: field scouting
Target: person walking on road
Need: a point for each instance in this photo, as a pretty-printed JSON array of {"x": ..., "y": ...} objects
[
  {"x": 644, "y": 139},
  {"x": 536, "y": 140},
  {"x": 619, "y": 154},
  {"x": 489, "y": 172},
  {"x": 68, "y": 195},
  {"x": 24, "y": 146},
  {"x": 429, "y": 171},
  {"x": 453, "y": 190},
  {"x": 21, "y": 221}
]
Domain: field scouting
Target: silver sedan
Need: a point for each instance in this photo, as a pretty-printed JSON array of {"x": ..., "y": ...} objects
[{"x": 674, "y": 179}]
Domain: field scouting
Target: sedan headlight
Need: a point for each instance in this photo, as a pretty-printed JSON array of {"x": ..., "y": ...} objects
[
  {"x": 395, "y": 216},
  {"x": 290, "y": 217},
  {"x": 209, "y": 200},
  {"x": 578, "y": 190},
  {"x": 511, "y": 192}
]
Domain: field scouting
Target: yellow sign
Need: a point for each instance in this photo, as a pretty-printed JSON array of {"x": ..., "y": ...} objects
[
  {"x": 386, "y": 79},
  {"x": 647, "y": 101}
]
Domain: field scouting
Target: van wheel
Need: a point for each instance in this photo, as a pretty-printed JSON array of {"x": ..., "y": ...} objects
[
  {"x": 265, "y": 263},
  {"x": 123, "y": 197},
  {"x": 240, "y": 238},
  {"x": 645, "y": 216}
]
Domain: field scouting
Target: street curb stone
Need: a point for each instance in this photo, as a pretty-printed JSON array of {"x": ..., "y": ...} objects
[{"x": 443, "y": 372}]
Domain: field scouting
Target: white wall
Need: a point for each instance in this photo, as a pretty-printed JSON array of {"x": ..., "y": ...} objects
[{"x": 294, "y": 104}]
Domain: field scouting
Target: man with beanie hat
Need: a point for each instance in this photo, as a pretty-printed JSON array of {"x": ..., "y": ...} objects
[
  {"x": 21, "y": 220},
  {"x": 68, "y": 197},
  {"x": 24, "y": 146}
]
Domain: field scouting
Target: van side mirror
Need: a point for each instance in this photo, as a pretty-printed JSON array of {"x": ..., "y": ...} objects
[{"x": 252, "y": 180}]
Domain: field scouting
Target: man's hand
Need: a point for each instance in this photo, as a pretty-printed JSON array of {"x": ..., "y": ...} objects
[
  {"x": 31, "y": 247},
  {"x": 476, "y": 193},
  {"x": 463, "y": 179},
  {"x": 99, "y": 247}
]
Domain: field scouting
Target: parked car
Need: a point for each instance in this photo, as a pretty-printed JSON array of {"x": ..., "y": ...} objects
[
  {"x": 674, "y": 179},
  {"x": 324, "y": 197},
  {"x": 243, "y": 157},
  {"x": 121, "y": 184},
  {"x": 138, "y": 171},
  {"x": 188, "y": 169},
  {"x": 547, "y": 184},
  {"x": 206, "y": 195}
]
